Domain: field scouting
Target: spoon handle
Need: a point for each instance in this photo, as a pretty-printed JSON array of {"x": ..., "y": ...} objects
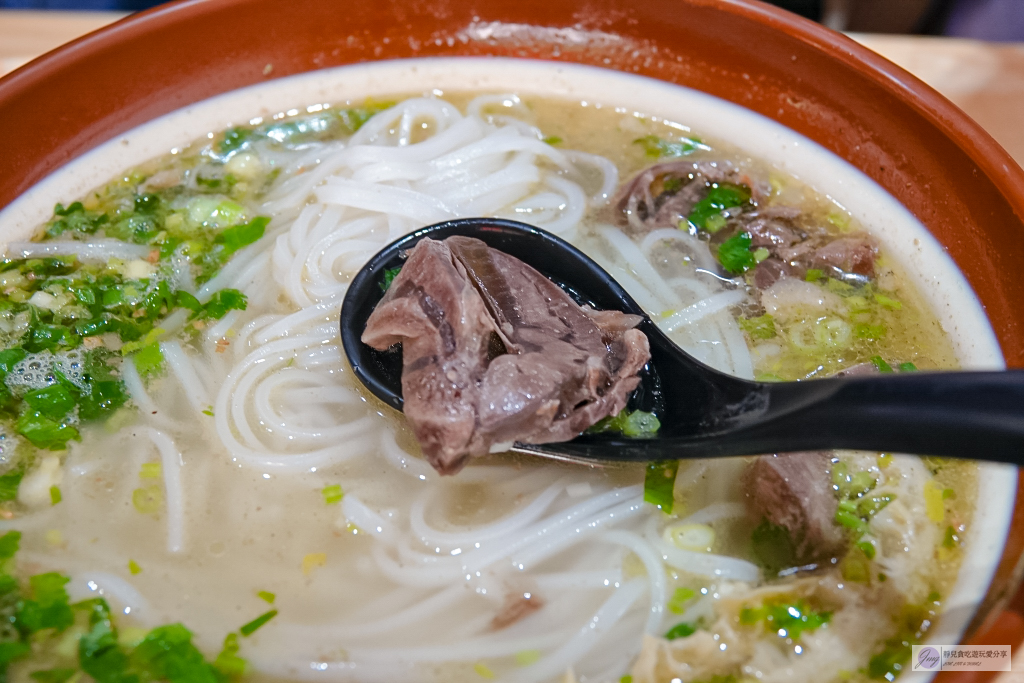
[{"x": 976, "y": 415}]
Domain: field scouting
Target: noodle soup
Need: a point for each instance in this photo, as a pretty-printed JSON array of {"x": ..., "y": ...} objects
[{"x": 232, "y": 477}]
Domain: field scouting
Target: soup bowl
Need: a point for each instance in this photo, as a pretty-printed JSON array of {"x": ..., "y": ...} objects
[{"x": 930, "y": 157}]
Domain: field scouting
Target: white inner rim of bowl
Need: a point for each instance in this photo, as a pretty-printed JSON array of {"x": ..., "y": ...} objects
[{"x": 902, "y": 236}]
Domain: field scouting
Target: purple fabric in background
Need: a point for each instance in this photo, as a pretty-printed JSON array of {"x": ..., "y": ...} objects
[{"x": 987, "y": 20}]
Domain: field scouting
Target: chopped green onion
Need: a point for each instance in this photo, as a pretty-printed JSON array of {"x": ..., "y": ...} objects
[
  {"x": 636, "y": 424},
  {"x": 951, "y": 538},
  {"x": 677, "y": 604},
  {"x": 659, "y": 484},
  {"x": 656, "y": 148},
  {"x": 228, "y": 662},
  {"x": 908, "y": 367},
  {"x": 814, "y": 274},
  {"x": 712, "y": 223},
  {"x": 148, "y": 500},
  {"x": 55, "y": 495},
  {"x": 881, "y": 364},
  {"x": 552, "y": 140},
  {"x": 267, "y": 596},
  {"x": 332, "y": 494},
  {"x": 788, "y": 620},
  {"x": 251, "y": 627},
  {"x": 134, "y": 567},
  {"x": 151, "y": 470},
  {"x": 483, "y": 670},
  {"x": 680, "y": 630},
  {"x": 888, "y": 302},
  {"x": 527, "y": 657},
  {"x": 759, "y": 327},
  {"x": 866, "y": 331}
]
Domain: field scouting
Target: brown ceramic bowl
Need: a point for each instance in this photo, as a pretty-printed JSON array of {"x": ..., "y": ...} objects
[{"x": 948, "y": 172}]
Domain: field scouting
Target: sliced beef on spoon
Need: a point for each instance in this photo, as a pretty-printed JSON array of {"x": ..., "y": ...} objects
[{"x": 560, "y": 367}]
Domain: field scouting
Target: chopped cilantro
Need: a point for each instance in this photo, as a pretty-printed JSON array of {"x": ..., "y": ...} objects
[
  {"x": 734, "y": 254},
  {"x": 659, "y": 484},
  {"x": 389, "y": 276},
  {"x": 45, "y": 432},
  {"x": 9, "y": 483},
  {"x": 167, "y": 653},
  {"x": 236, "y": 237},
  {"x": 759, "y": 327},
  {"x": 48, "y": 607},
  {"x": 9, "y": 544},
  {"x": 251, "y": 627},
  {"x": 223, "y": 301},
  {"x": 75, "y": 218},
  {"x": 720, "y": 196},
  {"x": 149, "y": 360}
]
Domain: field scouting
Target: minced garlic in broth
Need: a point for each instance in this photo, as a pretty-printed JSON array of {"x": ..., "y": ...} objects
[{"x": 250, "y": 530}]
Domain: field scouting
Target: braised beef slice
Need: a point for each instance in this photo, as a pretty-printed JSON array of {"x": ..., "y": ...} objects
[
  {"x": 566, "y": 367},
  {"x": 433, "y": 310},
  {"x": 664, "y": 194},
  {"x": 794, "y": 491}
]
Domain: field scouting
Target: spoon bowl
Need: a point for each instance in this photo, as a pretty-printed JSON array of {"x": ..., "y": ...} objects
[{"x": 707, "y": 413}]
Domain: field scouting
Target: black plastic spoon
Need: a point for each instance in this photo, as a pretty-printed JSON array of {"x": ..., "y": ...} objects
[{"x": 707, "y": 413}]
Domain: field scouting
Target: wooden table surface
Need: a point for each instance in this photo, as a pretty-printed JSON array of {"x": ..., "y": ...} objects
[{"x": 986, "y": 80}]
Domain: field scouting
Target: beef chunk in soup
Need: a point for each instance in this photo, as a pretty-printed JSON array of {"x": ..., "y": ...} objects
[
  {"x": 667, "y": 193},
  {"x": 794, "y": 491},
  {"x": 718, "y": 201},
  {"x": 494, "y": 352}
]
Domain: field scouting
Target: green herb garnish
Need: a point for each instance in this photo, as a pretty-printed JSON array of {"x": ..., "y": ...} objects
[
  {"x": 659, "y": 484},
  {"x": 720, "y": 196},
  {"x": 734, "y": 254},
  {"x": 251, "y": 627},
  {"x": 657, "y": 148}
]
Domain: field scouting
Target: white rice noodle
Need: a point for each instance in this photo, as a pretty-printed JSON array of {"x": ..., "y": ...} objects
[
  {"x": 174, "y": 495},
  {"x": 181, "y": 368}
]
